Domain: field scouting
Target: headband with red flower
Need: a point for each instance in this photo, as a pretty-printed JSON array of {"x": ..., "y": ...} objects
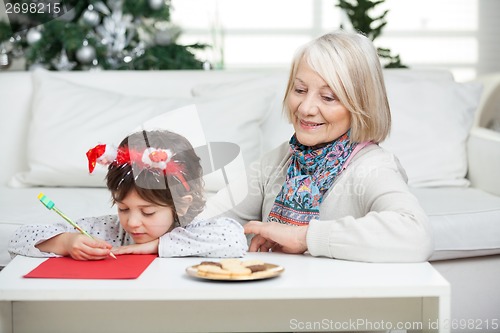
[{"x": 149, "y": 158}]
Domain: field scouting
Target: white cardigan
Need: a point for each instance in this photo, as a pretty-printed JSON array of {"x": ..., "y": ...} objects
[{"x": 368, "y": 215}]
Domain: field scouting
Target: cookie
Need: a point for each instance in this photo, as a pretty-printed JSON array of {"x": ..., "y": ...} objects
[
  {"x": 213, "y": 271},
  {"x": 237, "y": 271},
  {"x": 211, "y": 263},
  {"x": 257, "y": 268}
]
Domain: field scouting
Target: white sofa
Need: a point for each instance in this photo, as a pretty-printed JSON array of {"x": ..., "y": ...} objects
[{"x": 452, "y": 159}]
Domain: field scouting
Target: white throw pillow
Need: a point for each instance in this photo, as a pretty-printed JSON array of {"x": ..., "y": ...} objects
[
  {"x": 273, "y": 123},
  {"x": 431, "y": 119},
  {"x": 236, "y": 118},
  {"x": 68, "y": 119}
]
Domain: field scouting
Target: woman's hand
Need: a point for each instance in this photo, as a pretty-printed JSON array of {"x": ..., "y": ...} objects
[
  {"x": 276, "y": 237},
  {"x": 144, "y": 248},
  {"x": 77, "y": 246}
]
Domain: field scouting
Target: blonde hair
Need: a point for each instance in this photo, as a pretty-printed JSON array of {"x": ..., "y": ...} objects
[{"x": 349, "y": 64}]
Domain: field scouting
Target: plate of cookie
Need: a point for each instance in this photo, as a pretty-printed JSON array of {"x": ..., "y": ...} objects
[{"x": 234, "y": 270}]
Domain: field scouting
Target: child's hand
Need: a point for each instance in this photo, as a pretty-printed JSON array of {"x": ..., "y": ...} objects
[
  {"x": 144, "y": 248},
  {"x": 77, "y": 246},
  {"x": 81, "y": 247}
]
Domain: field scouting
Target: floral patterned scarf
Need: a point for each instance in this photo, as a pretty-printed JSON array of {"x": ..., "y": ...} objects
[{"x": 311, "y": 173}]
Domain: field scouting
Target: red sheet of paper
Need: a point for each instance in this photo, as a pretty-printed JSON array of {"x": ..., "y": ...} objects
[{"x": 128, "y": 266}]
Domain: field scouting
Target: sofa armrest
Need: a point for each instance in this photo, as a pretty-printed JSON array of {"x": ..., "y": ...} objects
[
  {"x": 483, "y": 154},
  {"x": 488, "y": 110}
]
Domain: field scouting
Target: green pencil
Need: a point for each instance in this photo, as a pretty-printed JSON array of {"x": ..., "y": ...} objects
[{"x": 51, "y": 206}]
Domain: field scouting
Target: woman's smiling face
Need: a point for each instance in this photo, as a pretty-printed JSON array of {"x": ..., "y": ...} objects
[{"x": 317, "y": 115}]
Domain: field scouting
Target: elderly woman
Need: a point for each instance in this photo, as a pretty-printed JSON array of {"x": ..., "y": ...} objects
[{"x": 332, "y": 190}]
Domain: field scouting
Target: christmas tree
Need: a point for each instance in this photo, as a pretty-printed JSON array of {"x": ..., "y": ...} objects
[
  {"x": 97, "y": 34},
  {"x": 359, "y": 12}
]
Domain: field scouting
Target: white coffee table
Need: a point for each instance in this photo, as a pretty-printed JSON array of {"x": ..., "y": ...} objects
[{"x": 311, "y": 294}]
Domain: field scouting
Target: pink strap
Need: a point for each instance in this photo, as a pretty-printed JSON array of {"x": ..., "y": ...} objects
[{"x": 360, "y": 146}]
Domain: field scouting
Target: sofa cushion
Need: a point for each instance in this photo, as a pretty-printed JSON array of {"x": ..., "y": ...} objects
[
  {"x": 68, "y": 119},
  {"x": 465, "y": 221},
  {"x": 236, "y": 118},
  {"x": 431, "y": 119}
]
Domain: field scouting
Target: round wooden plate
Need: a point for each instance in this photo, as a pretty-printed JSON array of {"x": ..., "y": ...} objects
[{"x": 271, "y": 271}]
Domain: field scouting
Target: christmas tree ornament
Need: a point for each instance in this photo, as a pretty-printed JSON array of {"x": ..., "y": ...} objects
[
  {"x": 163, "y": 37},
  {"x": 139, "y": 50},
  {"x": 207, "y": 66},
  {"x": 5, "y": 60},
  {"x": 115, "y": 5},
  {"x": 145, "y": 31},
  {"x": 91, "y": 17},
  {"x": 156, "y": 4},
  {"x": 166, "y": 33},
  {"x": 7, "y": 45},
  {"x": 86, "y": 53},
  {"x": 62, "y": 63},
  {"x": 33, "y": 36},
  {"x": 102, "y": 8},
  {"x": 95, "y": 66},
  {"x": 16, "y": 41},
  {"x": 116, "y": 32}
]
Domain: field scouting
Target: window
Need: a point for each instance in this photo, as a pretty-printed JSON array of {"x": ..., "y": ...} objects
[{"x": 427, "y": 34}]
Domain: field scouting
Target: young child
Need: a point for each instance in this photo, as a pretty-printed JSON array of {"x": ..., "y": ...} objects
[{"x": 155, "y": 180}]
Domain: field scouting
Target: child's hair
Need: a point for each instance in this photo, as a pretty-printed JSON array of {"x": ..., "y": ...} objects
[{"x": 164, "y": 187}]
